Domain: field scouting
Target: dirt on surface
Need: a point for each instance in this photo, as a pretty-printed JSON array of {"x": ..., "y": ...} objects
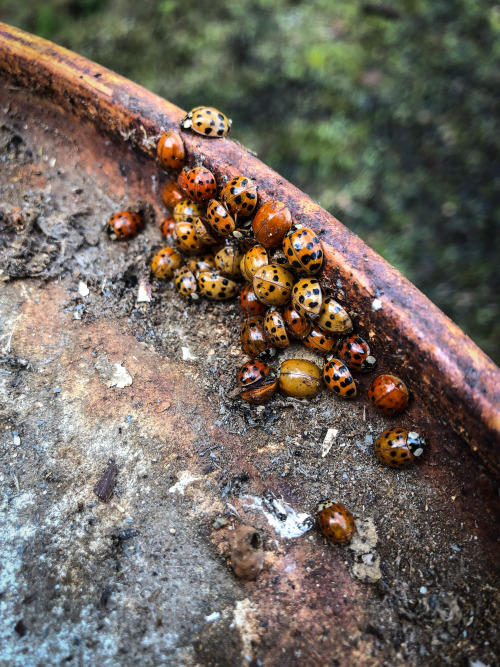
[{"x": 90, "y": 377}]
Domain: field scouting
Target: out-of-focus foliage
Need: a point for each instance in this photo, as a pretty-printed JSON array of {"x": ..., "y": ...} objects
[{"x": 388, "y": 117}]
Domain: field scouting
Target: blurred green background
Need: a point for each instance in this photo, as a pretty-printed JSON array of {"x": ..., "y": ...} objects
[{"x": 386, "y": 113}]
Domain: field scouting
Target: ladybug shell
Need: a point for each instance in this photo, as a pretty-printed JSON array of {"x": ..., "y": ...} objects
[
  {"x": 167, "y": 227},
  {"x": 275, "y": 329},
  {"x": 185, "y": 235},
  {"x": 185, "y": 282},
  {"x": 165, "y": 262},
  {"x": 273, "y": 285},
  {"x": 170, "y": 151},
  {"x": 307, "y": 298},
  {"x": 219, "y": 219},
  {"x": 124, "y": 225},
  {"x": 198, "y": 184},
  {"x": 299, "y": 378},
  {"x": 398, "y": 448},
  {"x": 297, "y": 325},
  {"x": 355, "y": 353},
  {"x": 171, "y": 195},
  {"x": 338, "y": 379},
  {"x": 271, "y": 224},
  {"x": 253, "y": 260},
  {"x": 186, "y": 211},
  {"x": 336, "y": 523},
  {"x": 261, "y": 394},
  {"x": 250, "y": 305},
  {"x": 227, "y": 261},
  {"x": 201, "y": 263},
  {"x": 319, "y": 341},
  {"x": 253, "y": 337},
  {"x": 252, "y": 372},
  {"x": 207, "y": 121},
  {"x": 333, "y": 318},
  {"x": 217, "y": 287},
  {"x": 388, "y": 394},
  {"x": 240, "y": 196},
  {"x": 203, "y": 232},
  {"x": 303, "y": 251}
]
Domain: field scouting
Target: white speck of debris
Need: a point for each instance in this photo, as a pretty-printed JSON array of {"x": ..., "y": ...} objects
[
  {"x": 423, "y": 590},
  {"x": 185, "y": 478},
  {"x": 144, "y": 291},
  {"x": 172, "y": 531},
  {"x": 187, "y": 355},
  {"x": 330, "y": 436},
  {"x": 294, "y": 524},
  {"x": 17, "y": 440},
  {"x": 121, "y": 377},
  {"x": 212, "y": 617},
  {"x": 83, "y": 290},
  {"x": 376, "y": 304},
  {"x": 244, "y": 618}
]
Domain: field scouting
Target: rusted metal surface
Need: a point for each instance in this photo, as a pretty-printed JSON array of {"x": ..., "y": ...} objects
[{"x": 145, "y": 576}]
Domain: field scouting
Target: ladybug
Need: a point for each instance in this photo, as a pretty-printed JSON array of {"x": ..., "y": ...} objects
[
  {"x": 165, "y": 262},
  {"x": 185, "y": 235},
  {"x": 207, "y": 121},
  {"x": 186, "y": 211},
  {"x": 319, "y": 341},
  {"x": 303, "y": 251},
  {"x": 217, "y": 287},
  {"x": 203, "y": 232},
  {"x": 337, "y": 378},
  {"x": 124, "y": 225},
  {"x": 261, "y": 393},
  {"x": 250, "y": 305},
  {"x": 253, "y": 337},
  {"x": 388, "y": 394},
  {"x": 227, "y": 261},
  {"x": 333, "y": 318},
  {"x": 275, "y": 329},
  {"x": 252, "y": 372},
  {"x": 201, "y": 263},
  {"x": 336, "y": 523},
  {"x": 198, "y": 184},
  {"x": 271, "y": 224},
  {"x": 167, "y": 227},
  {"x": 299, "y": 378},
  {"x": 170, "y": 151},
  {"x": 297, "y": 325},
  {"x": 185, "y": 283},
  {"x": 254, "y": 259},
  {"x": 240, "y": 196},
  {"x": 273, "y": 285},
  {"x": 398, "y": 448},
  {"x": 307, "y": 298},
  {"x": 171, "y": 195},
  {"x": 219, "y": 218},
  {"x": 355, "y": 353}
]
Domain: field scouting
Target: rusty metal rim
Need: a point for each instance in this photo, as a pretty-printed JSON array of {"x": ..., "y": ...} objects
[{"x": 444, "y": 367}]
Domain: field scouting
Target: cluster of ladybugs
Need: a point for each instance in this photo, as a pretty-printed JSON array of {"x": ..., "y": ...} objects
[{"x": 282, "y": 298}]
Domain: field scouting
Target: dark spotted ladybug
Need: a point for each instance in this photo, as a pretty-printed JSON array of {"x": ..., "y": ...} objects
[
  {"x": 201, "y": 263},
  {"x": 185, "y": 235},
  {"x": 124, "y": 225},
  {"x": 337, "y": 378},
  {"x": 207, "y": 121},
  {"x": 298, "y": 325},
  {"x": 227, "y": 261},
  {"x": 198, "y": 184},
  {"x": 170, "y": 151},
  {"x": 252, "y": 372},
  {"x": 336, "y": 523},
  {"x": 240, "y": 196},
  {"x": 249, "y": 303},
  {"x": 261, "y": 393},
  {"x": 388, "y": 394},
  {"x": 186, "y": 211},
  {"x": 299, "y": 378},
  {"x": 307, "y": 297},
  {"x": 355, "y": 353},
  {"x": 273, "y": 285},
  {"x": 319, "y": 341},
  {"x": 275, "y": 329},
  {"x": 185, "y": 283},
  {"x": 253, "y": 337},
  {"x": 271, "y": 224},
  {"x": 303, "y": 250},
  {"x": 219, "y": 218},
  {"x": 171, "y": 196},
  {"x": 165, "y": 262},
  {"x": 398, "y": 447},
  {"x": 253, "y": 260},
  {"x": 333, "y": 318},
  {"x": 217, "y": 287}
]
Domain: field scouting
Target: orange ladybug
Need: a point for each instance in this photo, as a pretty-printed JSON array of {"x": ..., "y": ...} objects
[
  {"x": 398, "y": 447},
  {"x": 171, "y": 196},
  {"x": 337, "y": 378},
  {"x": 249, "y": 303},
  {"x": 336, "y": 523},
  {"x": 253, "y": 337},
  {"x": 240, "y": 196},
  {"x": 124, "y": 225},
  {"x": 388, "y": 394},
  {"x": 271, "y": 224},
  {"x": 198, "y": 184},
  {"x": 165, "y": 262},
  {"x": 170, "y": 151}
]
